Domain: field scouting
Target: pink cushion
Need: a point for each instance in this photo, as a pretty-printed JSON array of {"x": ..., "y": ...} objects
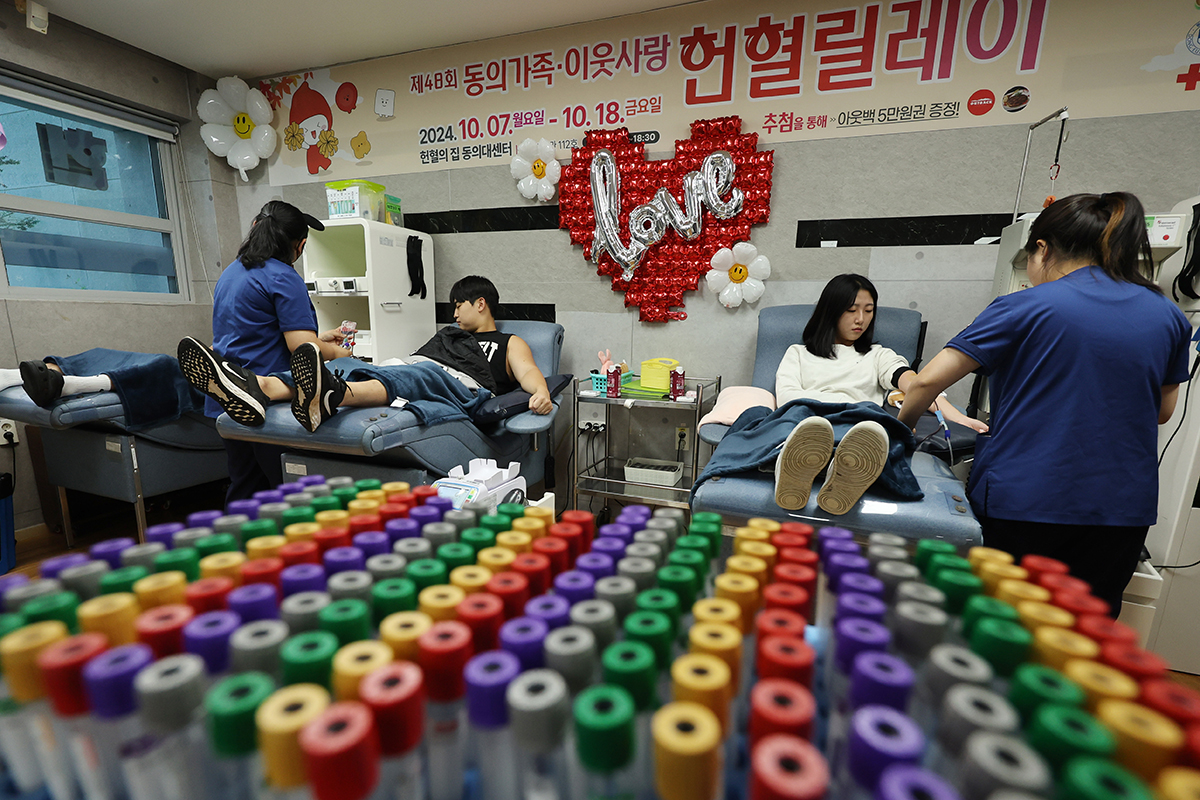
[{"x": 733, "y": 400}]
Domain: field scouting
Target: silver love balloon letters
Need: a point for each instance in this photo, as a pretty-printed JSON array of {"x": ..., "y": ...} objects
[{"x": 648, "y": 222}]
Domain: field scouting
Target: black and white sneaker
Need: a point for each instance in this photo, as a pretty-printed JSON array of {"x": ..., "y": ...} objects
[
  {"x": 318, "y": 391},
  {"x": 233, "y": 386}
]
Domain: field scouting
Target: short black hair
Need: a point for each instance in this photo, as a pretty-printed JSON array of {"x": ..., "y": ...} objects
[
  {"x": 473, "y": 287},
  {"x": 837, "y": 296}
]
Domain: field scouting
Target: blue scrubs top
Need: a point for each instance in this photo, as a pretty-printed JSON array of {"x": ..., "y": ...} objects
[
  {"x": 1077, "y": 368},
  {"x": 251, "y": 310}
]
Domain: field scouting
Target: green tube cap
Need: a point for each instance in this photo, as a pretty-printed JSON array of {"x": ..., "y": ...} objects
[
  {"x": 631, "y": 665},
  {"x": 231, "y": 705},
  {"x": 604, "y": 728},
  {"x": 496, "y": 523},
  {"x": 679, "y": 580},
  {"x": 1002, "y": 643},
  {"x": 707, "y": 517},
  {"x": 928, "y": 548},
  {"x": 344, "y": 495},
  {"x": 511, "y": 510},
  {"x": 59, "y": 605},
  {"x": 308, "y": 658},
  {"x": 426, "y": 572},
  {"x": 258, "y": 527},
  {"x": 217, "y": 543},
  {"x": 981, "y": 606},
  {"x": 695, "y": 542},
  {"x": 329, "y": 503},
  {"x": 654, "y": 629},
  {"x": 709, "y": 530},
  {"x": 693, "y": 560},
  {"x": 663, "y": 601},
  {"x": 123, "y": 579},
  {"x": 392, "y": 595},
  {"x": 183, "y": 559},
  {"x": 1094, "y": 779},
  {"x": 959, "y": 587},
  {"x": 368, "y": 485},
  {"x": 1062, "y": 733},
  {"x": 940, "y": 561},
  {"x": 478, "y": 538},
  {"x": 348, "y": 619},
  {"x": 296, "y": 515},
  {"x": 1034, "y": 685},
  {"x": 456, "y": 554}
]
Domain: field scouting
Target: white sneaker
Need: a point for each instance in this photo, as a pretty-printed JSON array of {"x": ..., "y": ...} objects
[
  {"x": 805, "y": 453},
  {"x": 857, "y": 462}
]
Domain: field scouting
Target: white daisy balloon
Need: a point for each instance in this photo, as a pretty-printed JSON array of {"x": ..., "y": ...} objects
[
  {"x": 737, "y": 274},
  {"x": 536, "y": 170},
  {"x": 237, "y": 124}
]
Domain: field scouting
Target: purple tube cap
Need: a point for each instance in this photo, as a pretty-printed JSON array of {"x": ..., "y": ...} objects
[
  {"x": 401, "y": 528},
  {"x": 164, "y": 533},
  {"x": 904, "y": 782},
  {"x": 861, "y": 583},
  {"x": 343, "y": 559},
  {"x": 553, "y": 609},
  {"x": 207, "y": 636},
  {"x": 616, "y": 531},
  {"x": 247, "y": 507},
  {"x": 254, "y": 601},
  {"x": 311, "y": 480},
  {"x": 838, "y": 564},
  {"x": 290, "y": 488},
  {"x": 839, "y": 546},
  {"x": 880, "y": 679},
  {"x": 575, "y": 585},
  {"x": 610, "y": 546},
  {"x": 110, "y": 550},
  {"x": 880, "y": 737},
  {"x": 638, "y": 509},
  {"x": 108, "y": 679},
  {"x": 11, "y": 580},
  {"x": 269, "y": 496},
  {"x": 442, "y": 504},
  {"x": 372, "y": 543},
  {"x": 863, "y": 606},
  {"x": 855, "y": 635},
  {"x": 488, "y": 675},
  {"x": 203, "y": 519},
  {"x": 598, "y": 565},
  {"x": 51, "y": 567},
  {"x": 425, "y": 514},
  {"x": 635, "y": 522},
  {"x": 524, "y": 637},
  {"x": 302, "y": 578}
]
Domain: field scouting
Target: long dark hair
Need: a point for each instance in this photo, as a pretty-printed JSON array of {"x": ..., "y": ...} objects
[
  {"x": 1108, "y": 230},
  {"x": 837, "y": 296},
  {"x": 276, "y": 231}
]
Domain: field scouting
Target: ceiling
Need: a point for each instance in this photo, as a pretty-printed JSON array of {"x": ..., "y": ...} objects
[{"x": 263, "y": 38}]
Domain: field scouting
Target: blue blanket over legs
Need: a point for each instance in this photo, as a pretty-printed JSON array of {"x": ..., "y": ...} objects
[
  {"x": 433, "y": 395},
  {"x": 150, "y": 386},
  {"x": 754, "y": 438}
]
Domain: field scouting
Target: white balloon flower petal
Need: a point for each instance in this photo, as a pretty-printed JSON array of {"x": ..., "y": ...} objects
[
  {"x": 717, "y": 279},
  {"x": 731, "y": 295},
  {"x": 536, "y": 170},
  {"x": 744, "y": 252},
  {"x": 520, "y": 168},
  {"x": 233, "y": 92},
  {"x": 752, "y": 289},
  {"x": 759, "y": 268},
  {"x": 528, "y": 150},
  {"x": 722, "y": 259}
]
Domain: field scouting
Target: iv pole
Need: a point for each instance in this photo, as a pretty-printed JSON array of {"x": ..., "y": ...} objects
[{"x": 1061, "y": 114}]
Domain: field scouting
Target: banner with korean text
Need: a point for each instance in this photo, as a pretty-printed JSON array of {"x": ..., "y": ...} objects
[{"x": 792, "y": 70}]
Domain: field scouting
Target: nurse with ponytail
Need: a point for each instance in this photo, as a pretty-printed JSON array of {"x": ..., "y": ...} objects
[{"x": 1084, "y": 366}]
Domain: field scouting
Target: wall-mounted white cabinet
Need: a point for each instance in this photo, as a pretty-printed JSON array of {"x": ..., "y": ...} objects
[{"x": 357, "y": 269}]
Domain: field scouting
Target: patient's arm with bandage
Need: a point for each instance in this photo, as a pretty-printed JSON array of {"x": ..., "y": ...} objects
[{"x": 940, "y": 403}]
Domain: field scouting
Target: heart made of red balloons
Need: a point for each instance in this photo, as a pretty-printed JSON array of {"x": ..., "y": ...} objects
[{"x": 674, "y": 265}]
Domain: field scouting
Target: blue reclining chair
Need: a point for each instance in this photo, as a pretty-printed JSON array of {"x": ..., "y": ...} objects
[
  {"x": 390, "y": 444},
  {"x": 943, "y": 514},
  {"x": 90, "y": 448}
]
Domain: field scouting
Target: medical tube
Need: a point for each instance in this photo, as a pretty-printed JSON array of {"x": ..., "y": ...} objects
[
  {"x": 279, "y": 720},
  {"x": 483, "y": 613},
  {"x": 946, "y": 666},
  {"x": 109, "y": 683},
  {"x": 308, "y": 658},
  {"x": 16, "y": 597},
  {"x": 598, "y": 616},
  {"x": 631, "y": 666},
  {"x": 61, "y": 665},
  {"x": 207, "y": 636},
  {"x": 255, "y": 647},
  {"x": 175, "y": 763},
  {"x": 575, "y": 586},
  {"x": 395, "y": 695},
  {"x": 687, "y": 752},
  {"x": 605, "y": 741},
  {"x": 341, "y": 752},
  {"x": 84, "y": 579},
  {"x": 16, "y": 747},
  {"x": 778, "y": 705},
  {"x": 539, "y": 712},
  {"x": 851, "y": 636},
  {"x": 524, "y": 637},
  {"x": 784, "y": 767},
  {"x": 162, "y": 628},
  {"x": 1061, "y": 733},
  {"x": 965, "y": 709},
  {"x": 1035, "y": 685},
  {"x": 488, "y": 676},
  {"x": 704, "y": 679},
  {"x": 353, "y": 662},
  {"x": 444, "y": 650},
  {"x": 879, "y": 737},
  {"x": 904, "y": 782},
  {"x": 230, "y": 707},
  {"x": 894, "y": 573},
  {"x": 552, "y": 609},
  {"x": 571, "y": 652},
  {"x": 619, "y": 590},
  {"x": 876, "y": 678},
  {"x": 302, "y": 611},
  {"x": 1003, "y": 644},
  {"x": 994, "y": 762}
]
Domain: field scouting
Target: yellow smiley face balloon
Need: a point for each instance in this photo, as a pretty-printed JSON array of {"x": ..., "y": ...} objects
[
  {"x": 242, "y": 126},
  {"x": 738, "y": 273}
]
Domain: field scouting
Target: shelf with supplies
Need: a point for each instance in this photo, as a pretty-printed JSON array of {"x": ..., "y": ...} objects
[{"x": 620, "y": 464}]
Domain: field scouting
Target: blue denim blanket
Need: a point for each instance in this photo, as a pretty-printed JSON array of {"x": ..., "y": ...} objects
[{"x": 150, "y": 386}]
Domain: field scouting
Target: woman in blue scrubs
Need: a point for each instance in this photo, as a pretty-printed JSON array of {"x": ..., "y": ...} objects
[
  {"x": 1084, "y": 367},
  {"x": 261, "y": 313}
]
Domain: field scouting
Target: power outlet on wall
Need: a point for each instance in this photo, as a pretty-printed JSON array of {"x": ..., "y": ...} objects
[
  {"x": 682, "y": 439},
  {"x": 8, "y": 429}
]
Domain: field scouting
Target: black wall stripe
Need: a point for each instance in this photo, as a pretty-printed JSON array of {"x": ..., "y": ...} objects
[
  {"x": 479, "y": 220},
  {"x": 897, "y": 231},
  {"x": 534, "y": 312}
]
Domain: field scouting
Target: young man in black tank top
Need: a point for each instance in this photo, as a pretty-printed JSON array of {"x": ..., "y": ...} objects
[{"x": 318, "y": 393}]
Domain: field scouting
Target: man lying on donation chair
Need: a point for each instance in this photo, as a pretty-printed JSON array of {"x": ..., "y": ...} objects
[
  {"x": 830, "y": 389},
  {"x": 449, "y": 377}
]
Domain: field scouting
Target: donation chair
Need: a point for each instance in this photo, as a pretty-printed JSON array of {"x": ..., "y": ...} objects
[
  {"x": 944, "y": 513},
  {"x": 89, "y": 448},
  {"x": 390, "y": 444}
]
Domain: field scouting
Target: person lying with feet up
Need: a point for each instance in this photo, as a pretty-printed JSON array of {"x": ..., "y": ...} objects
[
  {"x": 830, "y": 390},
  {"x": 460, "y": 365}
]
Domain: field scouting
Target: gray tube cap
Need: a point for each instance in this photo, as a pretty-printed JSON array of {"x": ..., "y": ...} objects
[
  {"x": 967, "y": 708},
  {"x": 887, "y": 540},
  {"x": 571, "y": 652},
  {"x": 950, "y": 664},
  {"x": 255, "y": 647},
  {"x": 619, "y": 590},
  {"x": 461, "y": 519},
  {"x": 640, "y": 570},
  {"x": 142, "y": 555},
  {"x": 439, "y": 533},
  {"x": 994, "y": 762},
  {"x": 352, "y": 583},
  {"x": 894, "y": 573},
  {"x": 920, "y": 593},
  {"x": 16, "y": 597},
  {"x": 917, "y": 628},
  {"x": 882, "y": 552},
  {"x": 668, "y": 526},
  {"x": 302, "y": 610},
  {"x": 598, "y": 616},
  {"x": 646, "y": 550},
  {"x": 189, "y": 536},
  {"x": 170, "y": 692},
  {"x": 413, "y": 548},
  {"x": 84, "y": 580},
  {"x": 539, "y": 709},
  {"x": 386, "y": 565}
]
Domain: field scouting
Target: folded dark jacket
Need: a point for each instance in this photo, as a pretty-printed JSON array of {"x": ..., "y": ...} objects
[{"x": 456, "y": 348}]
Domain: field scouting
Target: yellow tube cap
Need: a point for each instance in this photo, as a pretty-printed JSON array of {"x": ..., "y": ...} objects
[
  {"x": 496, "y": 559},
  {"x": 1179, "y": 783},
  {"x": 359, "y": 506},
  {"x": 400, "y": 632},
  {"x": 18, "y": 653},
  {"x": 992, "y": 572},
  {"x": 1034, "y": 615},
  {"x": 265, "y": 546},
  {"x": 1147, "y": 741},
  {"x": 761, "y": 550},
  {"x": 748, "y": 534},
  {"x": 1054, "y": 646},
  {"x": 227, "y": 565},
  {"x": 440, "y": 602},
  {"x": 748, "y": 565},
  {"x": 470, "y": 579},
  {"x": 111, "y": 614},
  {"x": 352, "y": 662},
  {"x": 546, "y": 515},
  {"x": 333, "y": 519},
  {"x": 300, "y": 531},
  {"x": 161, "y": 589},
  {"x": 377, "y": 495},
  {"x": 687, "y": 760},
  {"x": 704, "y": 679},
  {"x": 978, "y": 556},
  {"x": 718, "y": 609},
  {"x": 741, "y": 589},
  {"x": 762, "y": 523},
  {"x": 534, "y": 526},
  {"x": 396, "y": 487},
  {"x": 516, "y": 541},
  {"x": 1014, "y": 592},
  {"x": 279, "y": 720},
  {"x": 1100, "y": 682},
  {"x": 720, "y": 639}
]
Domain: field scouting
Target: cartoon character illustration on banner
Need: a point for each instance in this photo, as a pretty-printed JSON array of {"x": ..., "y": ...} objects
[
  {"x": 361, "y": 145},
  {"x": 347, "y": 97},
  {"x": 311, "y": 127},
  {"x": 676, "y": 214},
  {"x": 385, "y": 103}
]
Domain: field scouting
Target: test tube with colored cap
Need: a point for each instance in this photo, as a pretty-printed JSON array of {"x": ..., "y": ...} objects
[
  {"x": 966, "y": 709},
  {"x": 605, "y": 741},
  {"x": 402, "y": 632},
  {"x": 255, "y": 647},
  {"x": 1061, "y": 733},
  {"x": 879, "y": 737},
  {"x": 687, "y": 752},
  {"x": 308, "y": 658},
  {"x": 778, "y": 705},
  {"x": 207, "y": 636},
  {"x": 230, "y": 707},
  {"x": 947, "y": 665},
  {"x": 525, "y": 638},
  {"x": 62, "y": 665},
  {"x": 539, "y": 712},
  {"x": 785, "y": 767},
  {"x": 16, "y": 745},
  {"x": 904, "y": 782},
  {"x": 483, "y": 613},
  {"x": 997, "y": 762},
  {"x": 355, "y": 660},
  {"x": 631, "y": 666},
  {"x": 488, "y": 676},
  {"x": 598, "y": 616},
  {"x": 170, "y": 694},
  {"x": 571, "y": 652},
  {"x": 279, "y": 720},
  {"x": 876, "y": 678},
  {"x": 302, "y": 611},
  {"x": 395, "y": 693},
  {"x": 109, "y": 683},
  {"x": 443, "y": 652}
]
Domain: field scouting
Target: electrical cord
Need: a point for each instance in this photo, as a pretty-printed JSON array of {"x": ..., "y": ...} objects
[{"x": 1186, "y": 394}]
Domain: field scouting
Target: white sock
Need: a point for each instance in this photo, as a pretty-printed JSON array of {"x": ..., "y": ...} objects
[
  {"x": 10, "y": 377},
  {"x": 85, "y": 384}
]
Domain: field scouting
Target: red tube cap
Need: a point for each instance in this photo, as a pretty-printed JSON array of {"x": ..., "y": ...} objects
[
  {"x": 161, "y": 628},
  {"x": 331, "y": 538},
  {"x": 799, "y": 555},
  {"x": 62, "y": 671},
  {"x": 570, "y": 533},
  {"x": 1191, "y": 748},
  {"x": 1064, "y": 583},
  {"x": 262, "y": 570},
  {"x": 536, "y": 569},
  {"x": 556, "y": 550},
  {"x": 779, "y": 621},
  {"x": 208, "y": 594},
  {"x": 1078, "y": 603},
  {"x": 365, "y": 522},
  {"x": 1139, "y": 664},
  {"x": 785, "y": 596},
  {"x": 483, "y": 613},
  {"x": 513, "y": 589},
  {"x": 780, "y": 706},
  {"x": 300, "y": 553},
  {"x": 786, "y": 767},
  {"x": 396, "y": 696},
  {"x": 1104, "y": 629},
  {"x": 786, "y": 657},
  {"x": 392, "y": 510},
  {"x": 781, "y": 540},
  {"x": 586, "y": 521},
  {"x": 797, "y": 527},
  {"x": 444, "y": 651},
  {"x": 1173, "y": 700},
  {"x": 341, "y": 752},
  {"x": 1037, "y": 566},
  {"x": 423, "y": 493}
]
